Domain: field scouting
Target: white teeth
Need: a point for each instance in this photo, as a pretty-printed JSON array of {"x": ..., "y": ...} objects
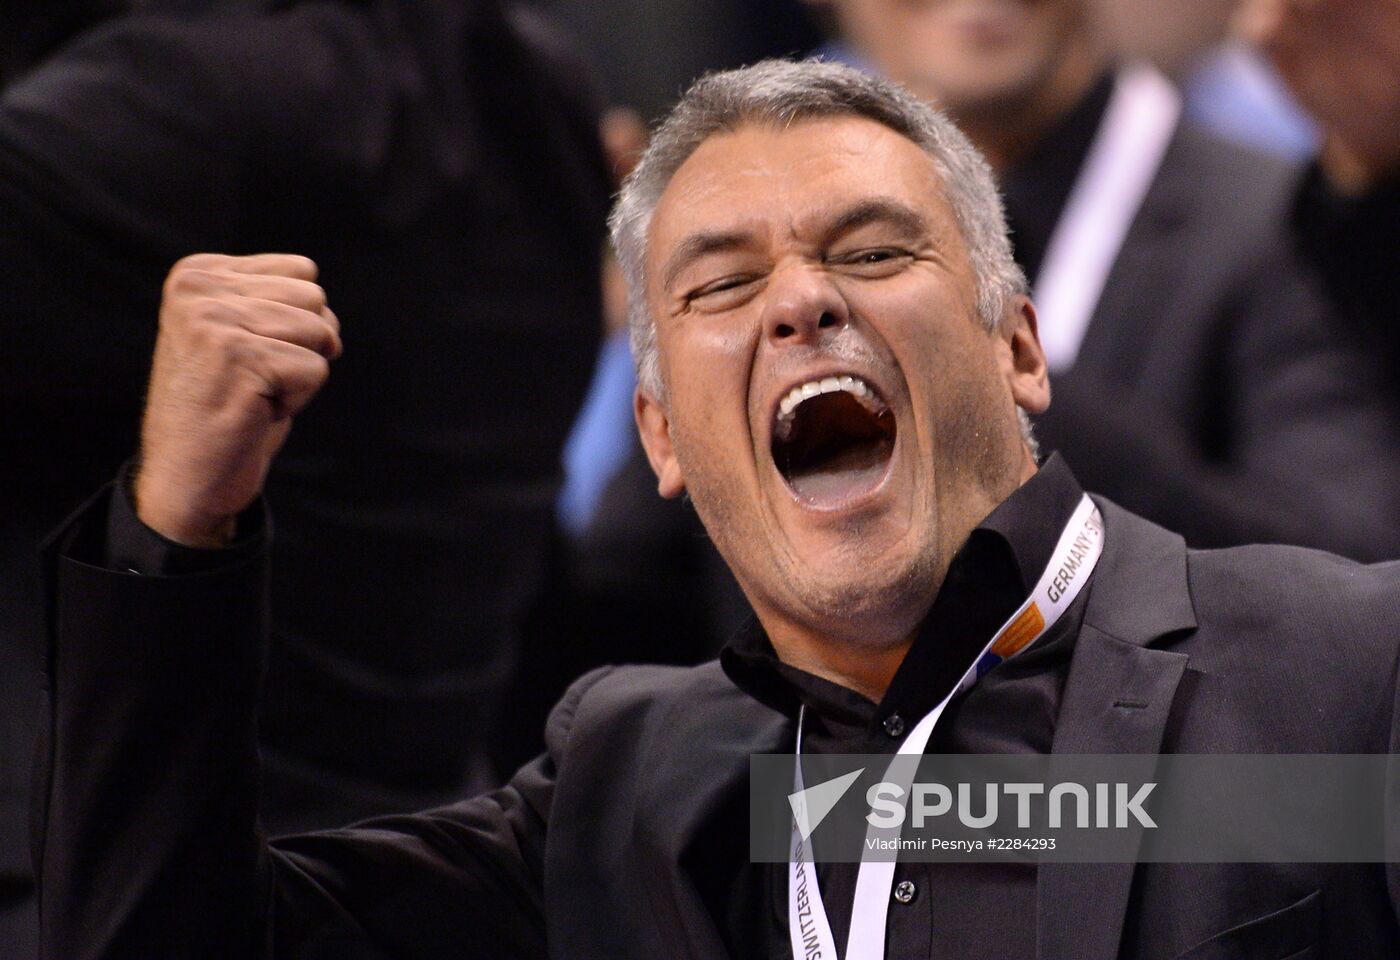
[{"x": 855, "y": 386}]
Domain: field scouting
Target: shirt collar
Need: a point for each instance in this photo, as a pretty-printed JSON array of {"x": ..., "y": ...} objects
[{"x": 987, "y": 580}]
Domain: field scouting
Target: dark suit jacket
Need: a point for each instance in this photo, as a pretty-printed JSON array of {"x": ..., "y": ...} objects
[
  {"x": 618, "y": 841},
  {"x": 1216, "y": 391}
]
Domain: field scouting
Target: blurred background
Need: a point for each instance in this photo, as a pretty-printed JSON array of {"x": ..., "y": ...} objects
[{"x": 1205, "y": 195}]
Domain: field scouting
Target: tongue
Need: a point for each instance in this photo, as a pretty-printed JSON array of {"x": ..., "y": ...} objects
[{"x": 852, "y": 472}]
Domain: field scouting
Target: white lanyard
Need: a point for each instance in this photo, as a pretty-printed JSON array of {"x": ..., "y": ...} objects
[
  {"x": 1122, "y": 163},
  {"x": 1076, "y": 553}
]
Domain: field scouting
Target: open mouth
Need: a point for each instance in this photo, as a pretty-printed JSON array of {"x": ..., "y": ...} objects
[{"x": 833, "y": 439}]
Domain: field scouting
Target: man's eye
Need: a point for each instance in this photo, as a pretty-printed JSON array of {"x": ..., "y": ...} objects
[
  {"x": 718, "y": 286},
  {"x": 873, "y": 261},
  {"x": 724, "y": 289}
]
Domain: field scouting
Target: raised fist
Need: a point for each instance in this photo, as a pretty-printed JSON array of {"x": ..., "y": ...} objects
[{"x": 244, "y": 344}]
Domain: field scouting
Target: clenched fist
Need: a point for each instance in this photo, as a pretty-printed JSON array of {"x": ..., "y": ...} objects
[{"x": 244, "y": 344}]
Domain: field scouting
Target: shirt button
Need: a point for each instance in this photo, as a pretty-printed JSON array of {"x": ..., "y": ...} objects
[
  {"x": 894, "y": 725},
  {"x": 905, "y": 891}
]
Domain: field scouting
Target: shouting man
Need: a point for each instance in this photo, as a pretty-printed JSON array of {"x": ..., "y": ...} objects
[{"x": 836, "y": 360}]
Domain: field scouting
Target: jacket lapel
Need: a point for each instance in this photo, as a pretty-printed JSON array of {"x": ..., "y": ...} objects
[
  {"x": 1117, "y": 700},
  {"x": 694, "y": 812},
  {"x": 1142, "y": 283}
]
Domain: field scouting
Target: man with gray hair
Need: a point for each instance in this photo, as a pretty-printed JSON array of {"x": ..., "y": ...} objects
[
  {"x": 777, "y": 96},
  {"x": 835, "y": 352}
]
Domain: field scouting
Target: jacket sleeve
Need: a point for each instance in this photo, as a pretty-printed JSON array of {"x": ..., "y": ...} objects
[{"x": 146, "y": 841}]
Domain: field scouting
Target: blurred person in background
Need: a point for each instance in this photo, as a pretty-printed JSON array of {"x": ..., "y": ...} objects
[
  {"x": 440, "y": 160},
  {"x": 1315, "y": 81},
  {"x": 1201, "y": 376},
  {"x": 1341, "y": 59},
  {"x": 1227, "y": 86}
]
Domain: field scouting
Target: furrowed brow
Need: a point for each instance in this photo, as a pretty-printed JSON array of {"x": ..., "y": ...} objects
[
  {"x": 903, "y": 218},
  {"x": 694, "y": 247}
]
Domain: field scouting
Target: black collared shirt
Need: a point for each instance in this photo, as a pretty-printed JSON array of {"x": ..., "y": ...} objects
[{"x": 963, "y": 911}]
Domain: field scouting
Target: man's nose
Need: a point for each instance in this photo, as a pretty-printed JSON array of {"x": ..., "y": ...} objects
[{"x": 802, "y": 306}]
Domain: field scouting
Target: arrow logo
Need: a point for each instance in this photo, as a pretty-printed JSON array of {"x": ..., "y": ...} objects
[{"x": 810, "y": 806}]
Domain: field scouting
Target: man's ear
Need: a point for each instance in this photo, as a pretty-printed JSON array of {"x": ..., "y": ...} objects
[
  {"x": 1022, "y": 359},
  {"x": 654, "y": 428}
]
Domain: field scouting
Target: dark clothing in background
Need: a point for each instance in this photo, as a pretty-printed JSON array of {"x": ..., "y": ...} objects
[
  {"x": 31, "y": 30},
  {"x": 1036, "y": 190},
  {"x": 648, "y": 51},
  {"x": 1217, "y": 390},
  {"x": 439, "y": 160},
  {"x": 626, "y": 839},
  {"x": 1354, "y": 240}
]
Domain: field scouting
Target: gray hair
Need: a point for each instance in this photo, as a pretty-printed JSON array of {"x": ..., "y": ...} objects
[{"x": 782, "y": 92}]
